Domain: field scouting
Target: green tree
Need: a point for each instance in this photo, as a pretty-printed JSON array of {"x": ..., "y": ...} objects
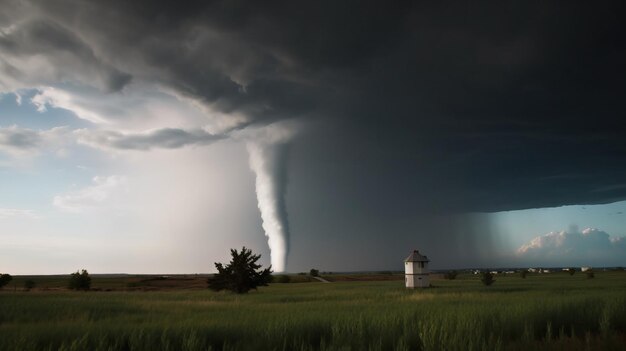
[
  {"x": 242, "y": 273},
  {"x": 80, "y": 280},
  {"x": 5, "y": 279},
  {"x": 314, "y": 272},
  {"x": 487, "y": 278},
  {"x": 571, "y": 271},
  {"x": 523, "y": 273}
]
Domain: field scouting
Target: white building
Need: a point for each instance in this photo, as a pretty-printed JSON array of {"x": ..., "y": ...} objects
[{"x": 416, "y": 271}]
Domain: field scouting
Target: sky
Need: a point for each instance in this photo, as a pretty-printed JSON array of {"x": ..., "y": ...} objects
[{"x": 152, "y": 137}]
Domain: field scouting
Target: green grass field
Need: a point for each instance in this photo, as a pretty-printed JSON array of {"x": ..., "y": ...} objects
[{"x": 551, "y": 311}]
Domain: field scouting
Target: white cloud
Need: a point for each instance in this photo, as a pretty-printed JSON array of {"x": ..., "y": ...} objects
[
  {"x": 588, "y": 247},
  {"x": 18, "y": 142},
  {"x": 619, "y": 243},
  {"x": 166, "y": 138},
  {"x": 59, "y": 98},
  {"x": 137, "y": 108},
  {"x": 220, "y": 122},
  {"x": 102, "y": 193},
  {"x": 22, "y": 142},
  {"x": 16, "y": 213}
]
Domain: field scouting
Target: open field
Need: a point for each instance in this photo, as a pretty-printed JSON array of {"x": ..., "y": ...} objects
[{"x": 552, "y": 311}]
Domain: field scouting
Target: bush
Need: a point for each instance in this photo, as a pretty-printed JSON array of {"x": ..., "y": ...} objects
[
  {"x": 80, "y": 281},
  {"x": 571, "y": 271},
  {"x": 451, "y": 275},
  {"x": 29, "y": 284},
  {"x": 590, "y": 274},
  {"x": 242, "y": 273},
  {"x": 314, "y": 272},
  {"x": 5, "y": 279},
  {"x": 523, "y": 273},
  {"x": 487, "y": 278}
]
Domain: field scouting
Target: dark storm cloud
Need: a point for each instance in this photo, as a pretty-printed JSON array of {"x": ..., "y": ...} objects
[
  {"x": 65, "y": 50},
  {"x": 413, "y": 106}
]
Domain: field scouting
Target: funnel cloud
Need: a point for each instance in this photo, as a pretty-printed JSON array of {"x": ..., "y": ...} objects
[{"x": 268, "y": 161}]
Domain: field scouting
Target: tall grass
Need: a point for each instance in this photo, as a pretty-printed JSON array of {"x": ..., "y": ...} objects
[{"x": 544, "y": 312}]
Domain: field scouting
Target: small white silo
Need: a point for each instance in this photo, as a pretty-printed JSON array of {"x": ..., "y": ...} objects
[{"x": 416, "y": 271}]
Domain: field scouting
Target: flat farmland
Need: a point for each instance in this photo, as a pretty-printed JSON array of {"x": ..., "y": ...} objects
[{"x": 549, "y": 311}]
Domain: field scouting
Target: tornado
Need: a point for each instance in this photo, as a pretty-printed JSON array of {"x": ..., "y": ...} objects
[{"x": 268, "y": 161}]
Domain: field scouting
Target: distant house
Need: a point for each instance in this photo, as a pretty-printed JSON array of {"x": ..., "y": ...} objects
[
  {"x": 416, "y": 271},
  {"x": 584, "y": 269}
]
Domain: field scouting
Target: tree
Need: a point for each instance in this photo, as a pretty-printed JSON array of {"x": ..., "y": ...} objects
[
  {"x": 487, "y": 278},
  {"x": 80, "y": 281},
  {"x": 5, "y": 279},
  {"x": 571, "y": 271},
  {"x": 314, "y": 272},
  {"x": 242, "y": 273},
  {"x": 523, "y": 273},
  {"x": 590, "y": 274}
]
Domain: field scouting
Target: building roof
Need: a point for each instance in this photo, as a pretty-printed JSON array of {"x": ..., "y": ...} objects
[{"x": 416, "y": 257}]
